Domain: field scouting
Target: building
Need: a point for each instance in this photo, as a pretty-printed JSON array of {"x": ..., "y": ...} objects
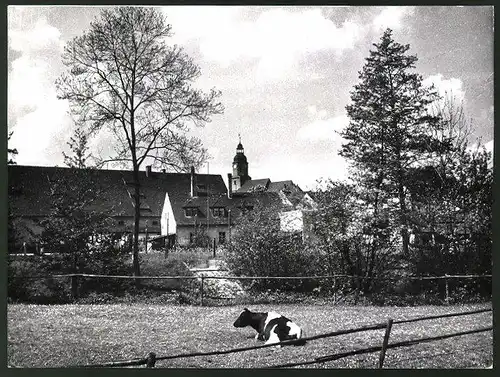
[
  {"x": 297, "y": 204},
  {"x": 163, "y": 196},
  {"x": 176, "y": 208},
  {"x": 240, "y": 168}
]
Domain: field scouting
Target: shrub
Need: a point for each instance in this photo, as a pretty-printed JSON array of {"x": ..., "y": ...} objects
[
  {"x": 277, "y": 254},
  {"x": 26, "y": 282}
]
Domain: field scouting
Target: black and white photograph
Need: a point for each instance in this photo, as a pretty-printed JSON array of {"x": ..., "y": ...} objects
[{"x": 250, "y": 187}]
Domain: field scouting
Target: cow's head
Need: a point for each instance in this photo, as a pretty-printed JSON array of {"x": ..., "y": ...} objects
[{"x": 244, "y": 318}]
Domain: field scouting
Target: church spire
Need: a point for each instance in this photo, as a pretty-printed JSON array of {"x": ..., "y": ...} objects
[
  {"x": 239, "y": 147},
  {"x": 240, "y": 167}
]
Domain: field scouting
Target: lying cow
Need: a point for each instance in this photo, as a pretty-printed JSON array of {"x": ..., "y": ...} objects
[{"x": 271, "y": 327}]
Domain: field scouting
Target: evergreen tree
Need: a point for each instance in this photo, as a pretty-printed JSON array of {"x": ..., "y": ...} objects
[{"x": 390, "y": 128}]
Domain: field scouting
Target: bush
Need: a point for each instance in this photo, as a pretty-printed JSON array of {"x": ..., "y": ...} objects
[
  {"x": 277, "y": 254},
  {"x": 24, "y": 286}
]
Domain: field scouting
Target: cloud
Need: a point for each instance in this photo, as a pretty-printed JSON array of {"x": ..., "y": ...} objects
[
  {"x": 392, "y": 17},
  {"x": 447, "y": 88},
  {"x": 37, "y": 118},
  {"x": 37, "y": 134},
  {"x": 275, "y": 39},
  {"x": 31, "y": 78},
  {"x": 322, "y": 128},
  {"x": 28, "y": 84},
  {"x": 35, "y": 37}
]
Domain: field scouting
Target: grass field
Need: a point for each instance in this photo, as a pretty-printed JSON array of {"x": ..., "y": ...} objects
[{"x": 65, "y": 335}]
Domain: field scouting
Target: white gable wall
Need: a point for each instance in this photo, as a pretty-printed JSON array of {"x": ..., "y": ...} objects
[{"x": 168, "y": 224}]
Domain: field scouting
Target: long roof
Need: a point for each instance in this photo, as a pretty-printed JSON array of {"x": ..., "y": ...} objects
[{"x": 32, "y": 185}]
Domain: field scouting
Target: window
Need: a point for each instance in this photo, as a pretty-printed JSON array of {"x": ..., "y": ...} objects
[
  {"x": 222, "y": 238},
  {"x": 155, "y": 222},
  {"x": 218, "y": 212},
  {"x": 201, "y": 187},
  {"x": 246, "y": 208},
  {"x": 121, "y": 222},
  {"x": 191, "y": 211},
  {"x": 191, "y": 237}
]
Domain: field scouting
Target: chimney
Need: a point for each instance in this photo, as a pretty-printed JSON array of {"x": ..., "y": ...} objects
[
  {"x": 193, "y": 190},
  {"x": 148, "y": 170},
  {"x": 229, "y": 185}
]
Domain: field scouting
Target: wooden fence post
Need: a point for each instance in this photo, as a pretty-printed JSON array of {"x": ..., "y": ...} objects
[
  {"x": 384, "y": 344},
  {"x": 151, "y": 360},
  {"x": 74, "y": 286},
  {"x": 356, "y": 292},
  {"x": 334, "y": 289},
  {"x": 201, "y": 290},
  {"x": 447, "y": 298}
]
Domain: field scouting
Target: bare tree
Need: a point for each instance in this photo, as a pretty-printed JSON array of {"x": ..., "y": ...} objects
[
  {"x": 456, "y": 130},
  {"x": 121, "y": 75}
]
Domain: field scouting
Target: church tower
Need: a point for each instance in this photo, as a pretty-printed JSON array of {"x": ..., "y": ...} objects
[{"x": 240, "y": 168}]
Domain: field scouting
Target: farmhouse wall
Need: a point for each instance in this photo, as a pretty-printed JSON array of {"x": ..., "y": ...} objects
[{"x": 183, "y": 234}]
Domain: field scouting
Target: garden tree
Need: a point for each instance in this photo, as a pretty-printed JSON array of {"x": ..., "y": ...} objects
[
  {"x": 456, "y": 129},
  {"x": 474, "y": 199},
  {"x": 433, "y": 186},
  {"x": 458, "y": 211},
  {"x": 451, "y": 197},
  {"x": 260, "y": 248},
  {"x": 79, "y": 146},
  {"x": 454, "y": 216},
  {"x": 350, "y": 239},
  {"x": 77, "y": 229},
  {"x": 123, "y": 77},
  {"x": 390, "y": 128}
]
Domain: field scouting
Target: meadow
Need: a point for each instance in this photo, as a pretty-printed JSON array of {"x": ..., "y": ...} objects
[{"x": 68, "y": 335}]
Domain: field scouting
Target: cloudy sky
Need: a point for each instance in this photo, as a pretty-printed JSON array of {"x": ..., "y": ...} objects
[{"x": 285, "y": 74}]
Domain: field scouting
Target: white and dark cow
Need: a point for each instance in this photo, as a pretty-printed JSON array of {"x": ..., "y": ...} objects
[{"x": 271, "y": 327}]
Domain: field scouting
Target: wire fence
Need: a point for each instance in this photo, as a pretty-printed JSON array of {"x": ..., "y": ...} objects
[
  {"x": 151, "y": 359},
  {"x": 204, "y": 293}
]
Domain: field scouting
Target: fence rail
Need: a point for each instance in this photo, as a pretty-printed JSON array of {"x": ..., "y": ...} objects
[
  {"x": 76, "y": 276},
  {"x": 151, "y": 359},
  {"x": 407, "y": 343},
  {"x": 259, "y": 277}
]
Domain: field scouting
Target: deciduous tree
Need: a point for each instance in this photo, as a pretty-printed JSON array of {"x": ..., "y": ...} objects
[
  {"x": 80, "y": 150},
  {"x": 122, "y": 76}
]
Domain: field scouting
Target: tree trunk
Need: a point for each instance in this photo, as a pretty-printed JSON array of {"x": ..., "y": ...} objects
[
  {"x": 137, "y": 217},
  {"x": 404, "y": 223},
  {"x": 74, "y": 279}
]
